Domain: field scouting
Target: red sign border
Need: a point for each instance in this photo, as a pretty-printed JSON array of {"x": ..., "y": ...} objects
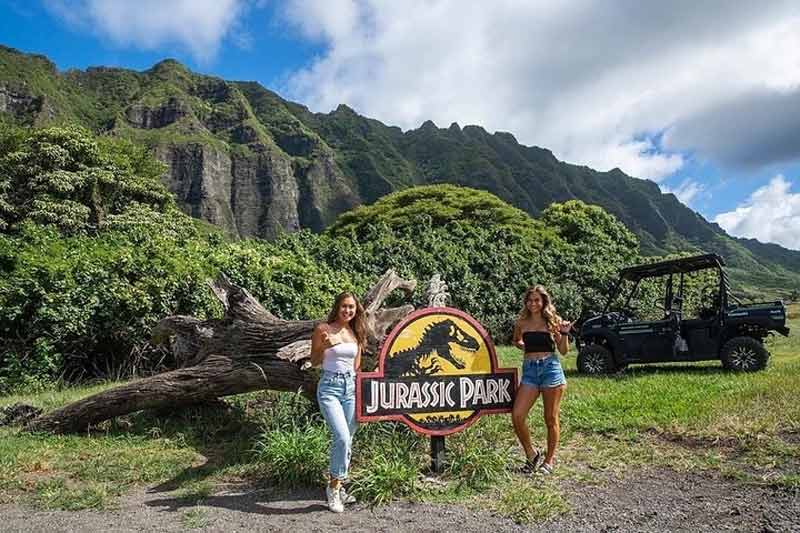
[{"x": 406, "y": 419}]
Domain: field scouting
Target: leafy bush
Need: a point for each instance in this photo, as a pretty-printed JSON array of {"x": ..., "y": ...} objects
[
  {"x": 479, "y": 457},
  {"x": 66, "y": 178},
  {"x": 387, "y": 477},
  {"x": 440, "y": 204},
  {"x": 598, "y": 245},
  {"x": 489, "y": 252},
  {"x": 296, "y": 456},
  {"x": 85, "y": 305}
]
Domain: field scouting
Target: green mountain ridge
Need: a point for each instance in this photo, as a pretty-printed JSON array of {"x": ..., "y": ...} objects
[{"x": 243, "y": 158}]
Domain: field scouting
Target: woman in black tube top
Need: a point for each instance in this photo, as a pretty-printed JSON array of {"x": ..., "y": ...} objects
[{"x": 539, "y": 331}]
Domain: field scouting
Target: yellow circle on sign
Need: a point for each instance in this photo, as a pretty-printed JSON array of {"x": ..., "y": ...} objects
[{"x": 440, "y": 345}]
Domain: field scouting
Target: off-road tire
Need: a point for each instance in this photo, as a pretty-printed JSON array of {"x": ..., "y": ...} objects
[
  {"x": 744, "y": 354},
  {"x": 595, "y": 360}
]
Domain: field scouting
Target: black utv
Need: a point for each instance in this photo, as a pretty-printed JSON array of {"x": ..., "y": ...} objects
[{"x": 723, "y": 328}]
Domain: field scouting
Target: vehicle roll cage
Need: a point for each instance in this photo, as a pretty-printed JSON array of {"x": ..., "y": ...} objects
[{"x": 671, "y": 268}]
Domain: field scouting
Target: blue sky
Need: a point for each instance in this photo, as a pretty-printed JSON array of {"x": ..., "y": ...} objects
[
  {"x": 266, "y": 51},
  {"x": 704, "y": 98}
]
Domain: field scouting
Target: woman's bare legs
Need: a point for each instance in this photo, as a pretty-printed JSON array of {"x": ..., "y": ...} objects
[
  {"x": 526, "y": 397},
  {"x": 552, "y": 402}
]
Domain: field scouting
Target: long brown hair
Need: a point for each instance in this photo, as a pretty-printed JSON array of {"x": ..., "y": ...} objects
[
  {"x": 549, "y": 314},
  {"x": 357, "y": 323}
]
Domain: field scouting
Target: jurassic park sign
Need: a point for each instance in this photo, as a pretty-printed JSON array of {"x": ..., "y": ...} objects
[{"x": 437, "y": 372}]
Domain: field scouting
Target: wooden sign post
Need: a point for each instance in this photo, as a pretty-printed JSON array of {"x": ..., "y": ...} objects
[
  {"x": 437, "y": 453},
  {"x": 437, "y": 373}
]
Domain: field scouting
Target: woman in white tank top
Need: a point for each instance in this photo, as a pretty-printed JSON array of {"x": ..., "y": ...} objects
[{"x": 336, "y": 345}]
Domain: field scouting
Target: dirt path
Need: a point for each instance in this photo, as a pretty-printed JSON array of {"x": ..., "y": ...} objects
[
  {"x": 651, "y": 500},
  {"x": 664, "y": 500}
]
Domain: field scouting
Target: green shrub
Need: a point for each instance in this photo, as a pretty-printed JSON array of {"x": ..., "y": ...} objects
[
  {"x": 479, "y": 457},
  {"x": 295, "y": 456},
  {"x": 64, "y": 177},
  {"x": 489, "y": 252},
  {"x": 387, "y": 477},
  {"x": 440, "y": 205},
  {"x": 84, "y": 305}
]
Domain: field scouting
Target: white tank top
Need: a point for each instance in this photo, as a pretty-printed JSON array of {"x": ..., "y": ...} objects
[{"x": 340, "y": 358}]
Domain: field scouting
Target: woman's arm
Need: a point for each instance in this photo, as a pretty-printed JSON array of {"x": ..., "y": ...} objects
[
  {"x": 561, "y": 336},
  {"x": 357, "y": 362},
  {"x": 319, "y": 341},
  {"x": 562, "y": 342},
  {"x": 517, "y": 337}
]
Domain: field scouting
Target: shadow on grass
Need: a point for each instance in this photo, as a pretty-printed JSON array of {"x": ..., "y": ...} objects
[
  {"x": 221, "y": 432},
  {"x": 257, "y": 501}
]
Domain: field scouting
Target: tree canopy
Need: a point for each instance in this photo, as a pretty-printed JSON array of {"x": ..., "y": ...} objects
[
  {"x": 66, "y": 178},
  {"x": 441, "y": 205}
]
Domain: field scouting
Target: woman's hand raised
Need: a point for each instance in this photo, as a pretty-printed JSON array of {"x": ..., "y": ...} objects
[
  {"x": 326, "y": 340},
  {"x": 560, "y": 335}
]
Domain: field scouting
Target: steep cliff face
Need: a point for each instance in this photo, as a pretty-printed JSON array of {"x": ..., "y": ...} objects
[
  {"x": 24, "y": 107},
  {"x": 250, "y": 192},
  {"x": 324, "y": 188},
  {"x": 145, "y": 117},
  {"x": 200, "y": 177},
  {"x": 264, "y": 194},
  {"x": 324, "y": 192},
  {"x": 17, "y": 103}
]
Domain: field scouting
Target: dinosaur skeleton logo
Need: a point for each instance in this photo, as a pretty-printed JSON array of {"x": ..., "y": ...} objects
[
  {"x": 434, "y": 345},
  {"x": 437, "y": 372}
]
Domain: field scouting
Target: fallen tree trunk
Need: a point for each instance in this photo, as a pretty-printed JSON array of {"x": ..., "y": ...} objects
[{"x": 247, "y": 349}]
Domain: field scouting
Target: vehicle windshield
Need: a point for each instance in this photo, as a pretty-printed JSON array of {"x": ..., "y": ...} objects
[{"x": 648, "y": 299}]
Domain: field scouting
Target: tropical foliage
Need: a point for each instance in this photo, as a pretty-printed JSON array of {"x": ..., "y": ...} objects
[{"x": 93, "y": 252}]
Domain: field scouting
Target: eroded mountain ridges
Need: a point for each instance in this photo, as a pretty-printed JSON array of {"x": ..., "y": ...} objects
[{"x": 241, "y": 157}]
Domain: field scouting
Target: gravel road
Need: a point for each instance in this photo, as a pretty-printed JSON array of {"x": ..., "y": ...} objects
[{"x": 648, "y": 500}]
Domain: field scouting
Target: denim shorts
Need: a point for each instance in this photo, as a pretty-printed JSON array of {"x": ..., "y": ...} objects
[{"x": 543, "y": 373}]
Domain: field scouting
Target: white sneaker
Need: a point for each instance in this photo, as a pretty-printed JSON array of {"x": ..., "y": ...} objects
[
  {"x": 346, "y": 498},
  {"x": 334, "y": 500}
]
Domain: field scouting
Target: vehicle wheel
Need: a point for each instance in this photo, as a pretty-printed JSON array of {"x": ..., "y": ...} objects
[
  {"x": 744, "y": 354},
  {"x": 595, "y": 360}
]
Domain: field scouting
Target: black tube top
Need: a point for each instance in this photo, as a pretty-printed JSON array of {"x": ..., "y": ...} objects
[{"x": 538, "y": 341}]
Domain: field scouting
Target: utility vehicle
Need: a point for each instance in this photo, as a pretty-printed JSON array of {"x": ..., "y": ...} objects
[{"x": 724, "y": 328}]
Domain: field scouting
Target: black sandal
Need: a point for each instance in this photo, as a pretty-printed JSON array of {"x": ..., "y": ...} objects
[
  {"x": 546, "y": 469},
  {"x": 531, "y": 465}
]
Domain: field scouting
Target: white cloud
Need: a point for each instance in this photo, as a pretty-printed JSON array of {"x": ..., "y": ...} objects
[
  {"x": 594, "y": 81},
  {"x": 198, "y": 25},
  {"x": 686, "y": 191},
  {"x": 750, "y": 131},
  {"x": 771, "y": 214}
]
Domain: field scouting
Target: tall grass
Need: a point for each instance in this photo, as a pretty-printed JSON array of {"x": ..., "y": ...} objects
[{"x": 296, "y": 456}]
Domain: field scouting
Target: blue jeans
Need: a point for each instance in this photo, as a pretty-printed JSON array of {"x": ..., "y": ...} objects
[
  {"x": 543, "y": 373},
  {"x": 336, "y": 394}
]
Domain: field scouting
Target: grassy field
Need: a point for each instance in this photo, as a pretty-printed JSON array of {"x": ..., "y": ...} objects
[{"x": 746, "y": 426}]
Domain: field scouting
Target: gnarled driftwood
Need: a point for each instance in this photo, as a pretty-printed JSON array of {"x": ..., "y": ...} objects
[{"x": 248, "y": 349}]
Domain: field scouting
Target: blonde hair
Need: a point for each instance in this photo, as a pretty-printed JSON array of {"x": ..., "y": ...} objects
[
  {"x": 357, "y": 323},
  {"x": 549, "y": 314}
]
